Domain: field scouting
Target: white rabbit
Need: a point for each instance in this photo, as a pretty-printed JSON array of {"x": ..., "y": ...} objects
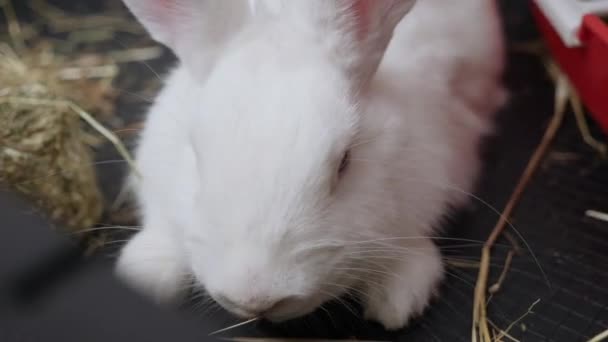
[{"x": 311, "y": 149}]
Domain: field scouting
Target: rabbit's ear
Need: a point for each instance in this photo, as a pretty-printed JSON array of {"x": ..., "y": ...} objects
[
  {"x": 196, "y": 30},
  {"x": 374, "y": 22},
  {"x": 362, "y": 29}
]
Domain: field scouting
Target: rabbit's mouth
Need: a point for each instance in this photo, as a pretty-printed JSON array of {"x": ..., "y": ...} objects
[
  {"x": 294, "y": 309},
  {"x": 284, "y": 310}
]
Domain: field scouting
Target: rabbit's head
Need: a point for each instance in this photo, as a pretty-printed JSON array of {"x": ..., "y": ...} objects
[{"x": 275, "y": 101}]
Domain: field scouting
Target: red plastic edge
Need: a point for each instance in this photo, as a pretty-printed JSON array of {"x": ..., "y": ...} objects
[{"x": 585, "y": 66}]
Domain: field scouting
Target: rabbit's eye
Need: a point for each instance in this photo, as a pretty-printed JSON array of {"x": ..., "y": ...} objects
[{"x": 344, "y": 163}]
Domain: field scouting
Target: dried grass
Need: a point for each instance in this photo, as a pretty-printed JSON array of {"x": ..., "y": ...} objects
[
  {"x": 603, "y": 336},
  {"x": 46, "y": 97},
  {"x": 45, "y": 154},
  {"x": 598, "y": 215},
  {"x": 483, "y": 330}
]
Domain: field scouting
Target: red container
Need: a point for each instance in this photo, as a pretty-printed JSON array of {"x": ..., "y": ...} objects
[{"x": 586, "y": 65}]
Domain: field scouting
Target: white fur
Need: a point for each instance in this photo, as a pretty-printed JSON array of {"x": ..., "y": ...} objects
[{"x": 239, "y": 163}]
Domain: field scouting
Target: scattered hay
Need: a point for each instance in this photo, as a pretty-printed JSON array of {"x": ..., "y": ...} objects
[
  {"x": 603, "y": 336},
  {"x": 234, "y": 326},
  {"x": 503, "y": 275},
  {"x": 483, "y": 330},
  {"x": 598, "y": 215},
  {"x": 583, "y": 126}
]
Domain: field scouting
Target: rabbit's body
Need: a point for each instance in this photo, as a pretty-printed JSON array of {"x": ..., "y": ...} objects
[
  {"x": 246, "y": 183},
  {"x": 444, "y": 65}
]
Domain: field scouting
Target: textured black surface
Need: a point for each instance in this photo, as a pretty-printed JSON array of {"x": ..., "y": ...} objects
[
  {"x": 572, "y": 249},
  {"x": 48, "y": 293}
]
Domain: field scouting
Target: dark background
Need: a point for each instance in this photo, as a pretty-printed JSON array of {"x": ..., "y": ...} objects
[{"x": 85, "y": 302}]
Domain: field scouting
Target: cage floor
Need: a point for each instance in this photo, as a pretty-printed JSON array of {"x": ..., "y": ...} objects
[{"x": 567, "y": 278}]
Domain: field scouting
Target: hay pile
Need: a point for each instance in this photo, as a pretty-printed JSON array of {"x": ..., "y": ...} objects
[
  {"x": 47, "y": 136},
  {"x": 44, "y": 152}
]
